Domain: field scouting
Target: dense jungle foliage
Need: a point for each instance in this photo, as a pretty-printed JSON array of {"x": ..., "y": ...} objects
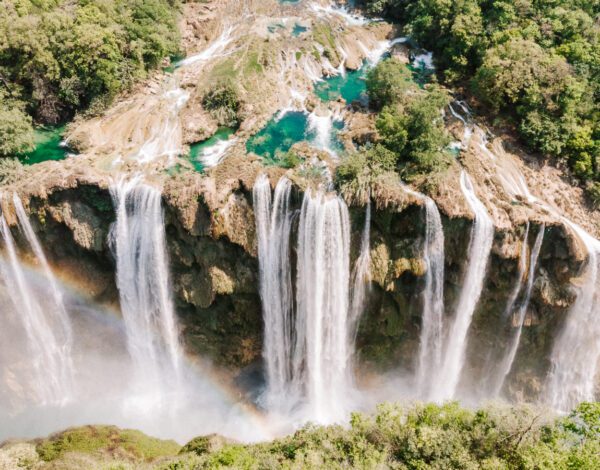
[
  {"x": 535, "y": 61},
  {"x": 58, "y": 57},
  {"x": 396, "y": 437}
]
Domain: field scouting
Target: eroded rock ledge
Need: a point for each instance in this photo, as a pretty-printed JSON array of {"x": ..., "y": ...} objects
[{"x": 212, "y": 246}]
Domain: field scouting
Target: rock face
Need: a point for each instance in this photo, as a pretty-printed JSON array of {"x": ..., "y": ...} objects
[{"x": 212, "y": 247}]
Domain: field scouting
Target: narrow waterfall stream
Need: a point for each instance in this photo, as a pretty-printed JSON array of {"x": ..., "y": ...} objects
[
  {"x": 431, "y": 340},
  {"x": 361, "y": 276},
  {"x": 574, "y": 369},
  {"x": 480, "y": 246},
  {"x": 273, "y": 223},
  {"x": 493, "y": 365},
  {"x": 138, "y": 239},
  {"x": 322, "y": 350},
  {"x": 43, "y": 318},
  {"x": 506, "y": 363}
]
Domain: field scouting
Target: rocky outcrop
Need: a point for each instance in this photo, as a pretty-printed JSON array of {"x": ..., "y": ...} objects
[{"x": 214, "y": 270}]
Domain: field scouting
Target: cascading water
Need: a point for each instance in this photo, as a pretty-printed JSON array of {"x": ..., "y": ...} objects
[
  {"x": 361, "y": 276},
  {"x": 57, "y": 297},
  {"x": 44, "y": 319},
  {"x": 138, "y": 238},
  {"x": 430, "y": 350},
  {"x": 480, "y": 246},
  {"x": 321, "y": 366},
  {"x": 507, "y": 361},
  {"x": 576, "y": 351},
  {"x": 493, "y": 366},
  {"x": 215, "y": 49},
  {"x": 273, "y": 227},
  {"x": 322, "y": 127}
]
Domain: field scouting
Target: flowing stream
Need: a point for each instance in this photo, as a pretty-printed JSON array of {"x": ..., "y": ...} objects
[
  {"x": 138, "y": 238},
  {"x": 274, "y": 223},
  {"x": 321, "y": 366},
  {"x": 506, "y": 363},
  {"x": 430, "y": 350},
  {"x": 480, "y": 246},
  {"x": 42, "y": 315}
]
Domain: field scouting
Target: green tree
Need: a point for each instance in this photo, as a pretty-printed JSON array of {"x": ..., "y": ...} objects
[
  {"x": 388, "y": 82},
  {"x": 16, "y": 130}
]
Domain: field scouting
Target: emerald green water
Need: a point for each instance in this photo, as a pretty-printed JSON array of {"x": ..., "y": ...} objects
[
  {"x": 278, "y": 136},
  {"x": 197, "y": 149},
  {"x": 351, "y": 86},
  {"x": 47, "y": 146},
  {"x": 274, "y": 140},
  {"x": 174, "y": 59},
  {"x": 298, "y": 30}
]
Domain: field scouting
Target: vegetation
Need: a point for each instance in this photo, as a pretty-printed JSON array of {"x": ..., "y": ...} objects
[
  {"x": 412, "y": 137},
  {"x": 397, "y": 437},
  {"x": 223, "y": 103},
  {"x": 359, "y": 171},
  {"x": 58, "y": 57},
  {"x": 430, "y": 436},
  {"x": 537, "y": 62},
  {"x": 388, "y": 83},
  {"x": 105, "y": 440}
]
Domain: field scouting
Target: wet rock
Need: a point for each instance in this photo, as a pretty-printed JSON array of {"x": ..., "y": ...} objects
[{"x": 80, "y": 219}]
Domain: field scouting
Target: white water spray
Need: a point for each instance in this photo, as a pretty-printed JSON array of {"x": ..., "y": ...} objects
[
  {"x": 165, "y": 135},
  {"x": 44, "y": 319},
  {"x": 430, "y": 350},
  {"x": 511, "y": 352},
  {"x": 576, "y": 351},
  {"x": 273, "y": 227},
  {"x": 138, "y": 238},
  {"x": 480, "y": 246},
  {"x": 361, "y": 275},
  {"x": 213, "y": 155},
  {"x": 321, "y": 126},
  {"x": 215, "y": 49},
  {"x": 321, "y": 365}
]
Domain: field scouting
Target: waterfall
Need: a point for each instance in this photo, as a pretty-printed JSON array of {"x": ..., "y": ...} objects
[
  {"x": 468, "y": 128},
  {"x": 138, "y": 239},
  {"x": 57, "y": 297},
  {"x": 576, "y": 350},
  {"x": 273, "y": 227},
  {"x": 480, "y": 246},
  {"x": 43, "y": 317},
  {"x": 494, "y": 375},
  {"x": 322, "y": 351},
  {"x": 361, "y": 276},
  {"x": 507, "y": 361},
  {"x": 215, "y": 49},
  {"x": 430, "y": 351},
  {"x": 322, "y": 127}
]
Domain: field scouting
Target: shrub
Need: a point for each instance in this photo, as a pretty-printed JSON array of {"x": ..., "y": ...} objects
[
  {"x": 223, "y": 103},
  {"x": 105, "y": 439},
  {"x": 357, "y": 173}
]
